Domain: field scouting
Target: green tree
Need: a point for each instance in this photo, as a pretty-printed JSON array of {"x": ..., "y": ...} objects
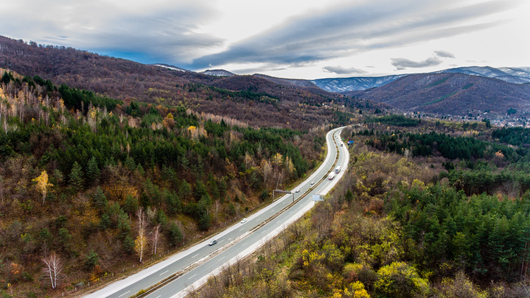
[
  {"x": 99, "y": 199},
  {"x": 174, "y": 236},
  {"x": 91, "y": 260},
  {"x": 76, "y": 177},
  {"x": 93, "y": 172},
  {"x": 128, "y": 245}
]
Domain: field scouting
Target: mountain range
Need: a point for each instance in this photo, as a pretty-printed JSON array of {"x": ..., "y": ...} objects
[
  {"x": 451, "y": 93},
  {"x": 265, "y": 100}
]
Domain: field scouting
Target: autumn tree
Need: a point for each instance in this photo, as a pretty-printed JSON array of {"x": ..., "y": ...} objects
[
  {"x": 42, "y": 184},
  {"x": 53, "y": 268}
]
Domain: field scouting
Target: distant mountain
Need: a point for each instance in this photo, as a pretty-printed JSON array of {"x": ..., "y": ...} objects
[
  {"x": 218, "y": 73},
  {"x": 171, "y": 67},
  {"x": 355, "y": 83},
  {"x": 450, "y": 93},
  {"x": 515, "y": 75},
  {"x": 287, "y": 82},
  {"x": 253, "y": 100}
]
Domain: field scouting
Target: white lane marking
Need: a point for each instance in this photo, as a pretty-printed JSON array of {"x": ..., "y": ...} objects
[
  {"x": 158, "y": 296},
  {"x": 229, "y": 239},
  {"x": 241, "y": 229},
  {"x": 244, "y": 243},
  {"x": 192, "y": 276},
  {"x": 221, "y": 258},
  {"x": 221, "y": 241},
  {"x": 164, "y": 272},
  {"x": 195, "y": 256},
  {"x": 124, "y": 294}
]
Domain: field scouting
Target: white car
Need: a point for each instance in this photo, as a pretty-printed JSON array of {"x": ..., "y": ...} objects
[
  {"x": 297, "y": 191},
  {"x": 244, "y": 220},
  {"x": 213, "y": 242},
  {"x": 312, "y": 182}
]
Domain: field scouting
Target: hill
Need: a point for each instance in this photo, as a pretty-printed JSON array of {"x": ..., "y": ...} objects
[
  {"x": 79, "y": 171},
  {"x": 449, "y": 93},
  {"x": 168, "y": 85}
]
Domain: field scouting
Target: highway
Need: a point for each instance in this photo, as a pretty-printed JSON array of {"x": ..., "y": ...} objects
[{"x": 190, "y": 268}]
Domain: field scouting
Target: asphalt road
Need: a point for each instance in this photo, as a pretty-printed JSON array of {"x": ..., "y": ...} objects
[{"x": 193, "y": 266}]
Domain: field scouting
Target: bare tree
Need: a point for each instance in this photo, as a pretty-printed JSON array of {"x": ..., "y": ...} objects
[
  {"x": 140, "y": 242},
  {"x": 53, "y": 268},
  {"x": 156, "y": 237}
]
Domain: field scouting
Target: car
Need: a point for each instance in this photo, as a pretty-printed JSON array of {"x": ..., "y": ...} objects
[
  {"x": 297, "y": 191},
  {"x": 341, "y": 145},
  {"x": 213, "y": 242},
  {"x": 244, "y": 220},
  {"x": 312, "y": 182}
]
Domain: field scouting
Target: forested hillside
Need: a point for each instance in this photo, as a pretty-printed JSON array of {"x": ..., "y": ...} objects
[
  {"x": 100, "y": 185},
  {"x": 260, "y": 102},
  {"x": 409, "y": 218}
]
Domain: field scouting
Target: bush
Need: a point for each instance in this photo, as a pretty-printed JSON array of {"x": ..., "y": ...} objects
[{"x": 399, "y": 280}]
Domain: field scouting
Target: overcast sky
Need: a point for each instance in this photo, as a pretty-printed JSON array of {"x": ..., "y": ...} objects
[{"x": 297, "y": 39}]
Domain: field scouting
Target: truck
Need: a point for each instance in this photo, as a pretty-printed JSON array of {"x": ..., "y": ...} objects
[
  {"x": 331, "y": 176},
  {"x": 337, "y": 170}
]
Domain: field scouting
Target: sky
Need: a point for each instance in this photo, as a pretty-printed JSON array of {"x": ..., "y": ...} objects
[{"x": 306, "y": 39}]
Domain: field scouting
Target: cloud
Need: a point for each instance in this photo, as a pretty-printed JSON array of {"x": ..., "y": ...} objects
[
  {"x": 402, "y": 63},
  {"x": 341, "y": 70},
  {"x": 444, "y": 54},
  {"x": 352, "y": 28},
  {"x": 158, "y": 31}
]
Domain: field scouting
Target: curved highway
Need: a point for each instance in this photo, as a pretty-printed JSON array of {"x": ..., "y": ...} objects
[{"x": 189, "y": 269}]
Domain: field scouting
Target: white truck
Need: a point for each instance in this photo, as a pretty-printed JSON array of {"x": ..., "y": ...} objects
[{"x": 337, "y": 170}]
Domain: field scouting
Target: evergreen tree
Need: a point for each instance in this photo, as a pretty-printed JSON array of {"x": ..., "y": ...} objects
[
  {"x": 174, "y": 236},
  {"x": 99, "y": 199},
  {"x": 76, "y": 177},
  {"x": 131, "y": 204},
  {"x": 93, "y": 172},
  {"x": 128, "y": 245}
]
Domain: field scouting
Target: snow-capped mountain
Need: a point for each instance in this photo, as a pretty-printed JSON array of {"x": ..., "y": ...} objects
[
  {"x": 354, "y": 83},
  {"x": 171, "y": 67},
  {"x": 218, "y": 73},
  {"x": 514, "y": 75}
]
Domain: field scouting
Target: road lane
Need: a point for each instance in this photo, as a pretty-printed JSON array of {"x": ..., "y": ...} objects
[{"x": 229, "y": 244}]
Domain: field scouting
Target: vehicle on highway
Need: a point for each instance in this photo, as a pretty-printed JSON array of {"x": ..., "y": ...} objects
[
  {"x": 331, "y": 176},
  {"x": 341, "y": 145},
  {"x": 244, "y": 220},
  {"x": 312, "y": 182},
  {"x": 297, "y": 191},
  {"x": 337, "y": 170},
  {"x": 213, "y": 242}
]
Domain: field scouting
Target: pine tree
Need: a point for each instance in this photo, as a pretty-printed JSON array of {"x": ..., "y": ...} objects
[
  {"x": 99, "y": 199},
  {"x": 174, "y": 235},
  {"x": 93, "y": 172},
  {"x": 76, "y": 177}
]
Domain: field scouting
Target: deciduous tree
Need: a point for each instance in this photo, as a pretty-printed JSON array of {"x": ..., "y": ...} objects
[
  {"x": 53, "y": 268},
  {"x": 42, "y": 184}
]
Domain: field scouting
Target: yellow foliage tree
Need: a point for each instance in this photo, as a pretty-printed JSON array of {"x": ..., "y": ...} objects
[{"x": 42, "y": 184}]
